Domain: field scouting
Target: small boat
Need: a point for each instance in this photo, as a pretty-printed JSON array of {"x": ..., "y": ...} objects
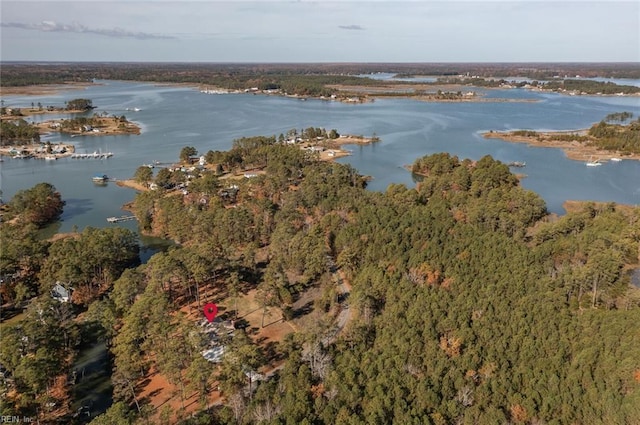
[
  {"x": 595, "y": 163},
  {"x": 517, "y": 164},
  {"x": 121, "y": 218},
  {"x": 616, "y": 159},
  {"x": 50, "y": 158},
  {"x": 100, "y": 178}
]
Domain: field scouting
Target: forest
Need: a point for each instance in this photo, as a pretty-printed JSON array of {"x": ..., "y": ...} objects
[{"x": 469, "y": 303}]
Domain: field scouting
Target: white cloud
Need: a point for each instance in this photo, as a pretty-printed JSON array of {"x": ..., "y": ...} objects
[
  {"x": 359, "y": 30},
  {"x": 351, "y": 27},
  {"x": 75, "y": 27}
]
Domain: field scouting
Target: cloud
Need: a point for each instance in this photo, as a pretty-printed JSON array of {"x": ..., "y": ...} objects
[
  {"x": 52, "y": 26},
  {"x": 351, "y": 27}
]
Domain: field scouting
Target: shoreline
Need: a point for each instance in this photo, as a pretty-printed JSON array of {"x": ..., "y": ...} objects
[
  {"x": 353, "y": 94},
  {"x": 572, "y": 149},
  {"x": 107, "y": 126},
  {"x": 44, "y": 89},
  {"x": 35, "y": 151},
  {"x": 27, "y": 112},
  {"x": 572, "y": 205}
]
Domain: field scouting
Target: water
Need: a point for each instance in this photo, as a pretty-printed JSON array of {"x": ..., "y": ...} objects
[
  {"x": 390, "y": 76},
  {"x": 173, "y": 117},
  {"x": 93, "y": 390}
]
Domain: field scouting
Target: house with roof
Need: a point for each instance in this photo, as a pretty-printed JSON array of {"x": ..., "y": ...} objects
[{"x": 61, "y": 292}]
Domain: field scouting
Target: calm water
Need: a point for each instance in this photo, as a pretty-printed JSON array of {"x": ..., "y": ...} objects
[{"x": 174, "y": 117}]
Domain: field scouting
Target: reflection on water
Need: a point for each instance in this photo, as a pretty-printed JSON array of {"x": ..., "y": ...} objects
[
  {"x": 75, "y": 207},
  {"x": 151, "y": 245},
  {"x": 93, "y": 390}
]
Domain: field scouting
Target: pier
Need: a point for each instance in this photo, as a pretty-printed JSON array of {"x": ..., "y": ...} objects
[
  {"x": 95, "y": 155},
  {"x": 121, "y": 218}
]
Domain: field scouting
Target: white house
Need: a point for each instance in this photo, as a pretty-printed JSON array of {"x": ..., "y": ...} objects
[{"x": 60, "y": 293}]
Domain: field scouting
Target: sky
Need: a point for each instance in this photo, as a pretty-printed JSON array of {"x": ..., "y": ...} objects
[{"x": 320, "y": 31}]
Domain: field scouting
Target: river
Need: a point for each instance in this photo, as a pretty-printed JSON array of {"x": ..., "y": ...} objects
[{"x": 172, "y": 117}]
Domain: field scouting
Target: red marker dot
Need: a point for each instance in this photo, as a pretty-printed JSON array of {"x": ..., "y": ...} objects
[{"x": 210, "y": 311}]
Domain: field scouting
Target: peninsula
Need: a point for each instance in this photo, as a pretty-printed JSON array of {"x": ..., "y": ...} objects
[
  {"x": 315, "y": 142},
  {"x": 606, "y": 140}
]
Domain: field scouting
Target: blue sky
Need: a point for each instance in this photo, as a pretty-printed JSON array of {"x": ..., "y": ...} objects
[{"x": 320, "y": 31}]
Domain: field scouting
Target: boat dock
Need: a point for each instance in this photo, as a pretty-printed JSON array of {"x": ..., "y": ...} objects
[
  {"x": 121, "y": 218},
  {"x": 95, "y": 155}
]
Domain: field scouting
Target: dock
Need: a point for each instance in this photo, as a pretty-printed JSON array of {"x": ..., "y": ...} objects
[
  {"x": 121, "y": 218},
  {"x": 95, "y": 155}
]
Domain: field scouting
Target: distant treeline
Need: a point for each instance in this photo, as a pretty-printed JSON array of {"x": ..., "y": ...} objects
[
  {"x": 591, "y": 87},
  {"x": 560, "y": 85},
  {"x": 23, "y": 74}
]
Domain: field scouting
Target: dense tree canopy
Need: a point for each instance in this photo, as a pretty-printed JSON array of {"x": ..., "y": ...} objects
[
  {"x": 472, "y": 306},
  {"x": 40, "y": 205},
  {"x": 468, "y": 303},
  {"x": 80, "y": 104},
  {"x": 20, "y": 131}
]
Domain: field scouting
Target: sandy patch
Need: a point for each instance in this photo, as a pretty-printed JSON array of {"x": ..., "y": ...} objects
[
  {"x": 44, "y": 89},
  {"x": 572, "y": 206},
  {"x": 132, "y": 184}
]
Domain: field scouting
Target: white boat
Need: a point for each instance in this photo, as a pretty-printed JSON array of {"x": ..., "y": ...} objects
[
  {"x": 50, "y": 158},
  {"x": 592, "y": 163},
  {"x": 616, "y": 159},
  {"x": 100, "y": 178}
]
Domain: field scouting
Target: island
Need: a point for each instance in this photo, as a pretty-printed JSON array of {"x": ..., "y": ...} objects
[{"x": 97, "y": 125}]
